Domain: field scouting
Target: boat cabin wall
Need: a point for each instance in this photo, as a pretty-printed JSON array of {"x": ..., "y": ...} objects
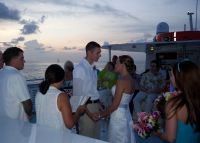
[{"x": 168, "y": 55}]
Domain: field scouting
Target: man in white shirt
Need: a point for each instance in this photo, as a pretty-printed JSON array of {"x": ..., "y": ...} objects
[
  {"x": 85, "y": 84},
  {"x": 15, "y": 99}
]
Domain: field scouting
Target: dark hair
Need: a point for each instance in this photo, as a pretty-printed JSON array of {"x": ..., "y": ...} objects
[
  {"x": 115, "y": 57},
  {"x": 92, "y": 45},
  {"x": 53, "y": 74},
  {"x": 109, "y": 64},
  {"x": 187, "y": 77},
  {"x": 128, "y": 61},
  {"x": 11, "y": 53},
  {"x": 134, "y": 67},
  {"x": 157, "y": 63}
]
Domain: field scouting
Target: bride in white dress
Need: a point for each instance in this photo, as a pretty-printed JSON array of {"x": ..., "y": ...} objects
[{"x": 120, "y": 126}]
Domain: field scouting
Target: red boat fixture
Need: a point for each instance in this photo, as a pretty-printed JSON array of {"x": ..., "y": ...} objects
[{"x": 178, "y": 36}]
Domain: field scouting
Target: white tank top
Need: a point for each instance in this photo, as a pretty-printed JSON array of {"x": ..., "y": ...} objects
[{"x": 47, "y": 112}]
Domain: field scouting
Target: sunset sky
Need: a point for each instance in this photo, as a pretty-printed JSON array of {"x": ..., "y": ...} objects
[{"x": 59, "y": 29}]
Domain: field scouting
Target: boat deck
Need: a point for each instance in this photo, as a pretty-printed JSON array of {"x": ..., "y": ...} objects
[{"x": 103, "y": 134}]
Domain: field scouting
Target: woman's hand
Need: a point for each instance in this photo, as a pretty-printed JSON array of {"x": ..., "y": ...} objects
[
  {"x": 81, "y": 109},
  {"x": 93, "y": 116},
  {"x": 90, "y": 114},
  {"x": 96, "y": 116}
]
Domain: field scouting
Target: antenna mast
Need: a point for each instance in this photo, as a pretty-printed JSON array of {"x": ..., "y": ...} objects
[
  {"x": 196, "y": 15},
  {"x": 190, "y": 19}
]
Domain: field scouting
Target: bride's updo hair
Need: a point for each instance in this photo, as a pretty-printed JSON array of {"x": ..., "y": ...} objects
[
  {"x": 128, "y": 62},
  {"x": 54, "y": 73}
]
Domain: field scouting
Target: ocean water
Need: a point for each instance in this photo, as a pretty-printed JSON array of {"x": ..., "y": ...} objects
[{"x": 34, "y": 70}]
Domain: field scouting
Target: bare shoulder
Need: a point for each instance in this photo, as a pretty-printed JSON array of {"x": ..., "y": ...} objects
[
  {"x": 121, "y": 82},
  {"x": 62, "y": 100},
  {"x": 182, "y": 114},
  {"x": 124, "y": 79},
  {"x": 126, "y": 84},
  {"x": 170, "y": 109},
  {"x": 62, "y": 96}
]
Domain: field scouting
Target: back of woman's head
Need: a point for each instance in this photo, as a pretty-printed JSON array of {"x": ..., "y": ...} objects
[
  {"x": 187, "y": 79},
  {"x": 186, "y": 75},
  {"x": 128, "y": 62},
  {"x": 109, "y": 66},
  {"x": 69, "y": 66},
  {"x": 53, "y": 74}
]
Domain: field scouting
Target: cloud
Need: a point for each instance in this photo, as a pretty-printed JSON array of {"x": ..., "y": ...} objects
[
  {"x": 81, "y": 49},
  {"x": 68, "y": 48},
  {"x": 170, "y": 2},
  {"x": 8, "y": 14},
  {"x": 42, "y": 19},
  {"x": 34, "y": 45},
  {"x": 105, "y": 9},
  {"x": 7, "y": 44},
  {"x": 30, "y": 27},
  {"x": 146, "y": 38},
  {"x": 15, "y": 41},
  {"x": 89, "y": 7},
  {"x": 23, "y": 21},
  {"x": 148, "y": 35},
  {"x": 49, "y": 47},
  {"x": 105, "y": 43}
]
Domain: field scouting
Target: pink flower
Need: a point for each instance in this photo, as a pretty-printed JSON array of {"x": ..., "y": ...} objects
[
  {"x": 146, "y": 123},
  {"x": 156, "y": 114},
  {"x": 142, "y": 115}
]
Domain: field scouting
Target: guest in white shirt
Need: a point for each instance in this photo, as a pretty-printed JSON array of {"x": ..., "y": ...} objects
[
  {"x": 52, "y": 105},
  {"x": 85, "y": 84},
  {"x": 15, "y": 99},
  {"x": 1, "y": 60}
]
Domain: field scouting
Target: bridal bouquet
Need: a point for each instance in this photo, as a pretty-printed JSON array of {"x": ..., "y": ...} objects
[
  {"x": 146, "y": 124},
  {"x": 161, "y": 100},
  {"x": 166, "y": 96}
]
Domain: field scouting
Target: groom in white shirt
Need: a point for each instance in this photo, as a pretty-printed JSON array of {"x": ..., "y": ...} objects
[{"x": 85, "y": 84}]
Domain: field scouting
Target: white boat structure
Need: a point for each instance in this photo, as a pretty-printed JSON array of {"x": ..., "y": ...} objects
[
  {"x": 167, "y": 47},
  {"x": 13, "y": 131},
  {"x": 165, "y": 52}
]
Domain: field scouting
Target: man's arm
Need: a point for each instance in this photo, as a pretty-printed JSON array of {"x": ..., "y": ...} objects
[
  {"x": 27, "y": 104},
  {"x": 78, "y": 81}
]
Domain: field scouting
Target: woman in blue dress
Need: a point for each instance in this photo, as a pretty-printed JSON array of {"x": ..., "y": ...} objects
[{"x": 182, "y": 124}]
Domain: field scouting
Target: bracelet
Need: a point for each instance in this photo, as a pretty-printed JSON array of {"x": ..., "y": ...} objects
[{"x": 99, "y": 116}]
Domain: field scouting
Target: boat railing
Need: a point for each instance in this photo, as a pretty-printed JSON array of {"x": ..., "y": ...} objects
[{"x": 33, "y": 87}]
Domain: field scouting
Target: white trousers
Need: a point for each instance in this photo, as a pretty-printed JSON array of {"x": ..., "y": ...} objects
[{"x": 88, "y": 127}]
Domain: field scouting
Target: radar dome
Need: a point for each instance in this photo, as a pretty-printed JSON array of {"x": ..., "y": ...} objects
[{"x": 162, "y": 27}]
